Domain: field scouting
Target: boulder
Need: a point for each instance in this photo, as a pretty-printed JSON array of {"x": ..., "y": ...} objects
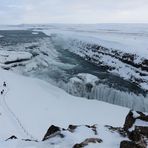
[
  {"x": 72, "y": 128},
  {"x": 87, "y": 141},
  {"x": 12, "y": 137},
  {"x": 87, "y": 132},
  {"x": 134, "y": 136},
  {"x": 142, "y": 130},
  {"x": 136, "y": 126},
  {"x": 128, "y": 144},
  {"x": 93, "y": 128},
  {"x": 52, "y": 131},
  {"x": 142, "y": 116},
  {"x": 129, "y": 121},
  {"x": 119, "y": 130},
  {"x": 133, "y": 117}
]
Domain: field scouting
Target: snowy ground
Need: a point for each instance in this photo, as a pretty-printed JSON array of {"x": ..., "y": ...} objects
[{"x": 30, "y": 106}]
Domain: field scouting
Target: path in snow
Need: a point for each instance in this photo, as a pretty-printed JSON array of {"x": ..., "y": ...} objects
[{"x": 13, "y": 118}]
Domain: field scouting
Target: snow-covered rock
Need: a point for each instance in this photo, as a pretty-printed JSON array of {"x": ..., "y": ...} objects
[
  {"x": 10, "y": 57},
  {"x": 31, "y": 66},
  {"x": 136, "y": 127},
  {"x": 29, "y": 106},
  {"x": 137, "y": 121},
  {"x": 82, "y": 85},
  {"x": 87, "y": 135}
]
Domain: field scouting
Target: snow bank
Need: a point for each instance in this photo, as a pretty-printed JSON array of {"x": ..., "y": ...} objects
[{"x": 38, "y": 105}]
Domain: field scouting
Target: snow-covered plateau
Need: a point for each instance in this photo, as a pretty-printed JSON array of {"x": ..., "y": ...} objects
[
  {"x": 36, "y": 114},
  {"x": 30, "y": 106},
  {"x": 60, "y": 86}
]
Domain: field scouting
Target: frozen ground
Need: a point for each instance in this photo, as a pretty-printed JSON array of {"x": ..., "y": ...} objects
[{"x": 29, "y": 106}]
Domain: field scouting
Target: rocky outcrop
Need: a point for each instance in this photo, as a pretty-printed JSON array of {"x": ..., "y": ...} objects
[
  {"x": 142, "y": 129},
  {"x": 54, "y": 133},
  {"x": 131, "y": 121},
  {"x": 119, "y": 130},
  {"x": 133, "y": 133},
  {"x": 87, "y": 141},
  {"x": 129, "y": 144},
  {"x": 9, "y": 59},
  {"x": 136, "y": 127},
  {"x": 12, "y": 137}
]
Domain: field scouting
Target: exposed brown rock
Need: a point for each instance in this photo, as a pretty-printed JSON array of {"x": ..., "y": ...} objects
[
  {"x": 72, "y": 128},
  {"x": 52, "y": 131},
  {"x": 12, "y": 137},
  {"x": 94, "y": 128},
  {"x": 142, "y": 116},
  {"x": 128, "y": 144},
  {"x": 87, "y": 141},
  {"x": 119, "y": 130},
  {"x": 142, "y": 130},
  {"x": 29, "y": 140},
  {"x": 134, "y": 136},
  {"x": 129, "y": 121}
]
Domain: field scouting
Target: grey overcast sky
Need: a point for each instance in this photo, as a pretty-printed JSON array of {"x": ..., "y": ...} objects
[{"x": 73, "y": 11}]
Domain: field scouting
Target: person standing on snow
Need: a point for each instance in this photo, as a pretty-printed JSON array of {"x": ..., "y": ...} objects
[
  {"x": 2, "y": 92},
  {"x": 4, "y": 84}
]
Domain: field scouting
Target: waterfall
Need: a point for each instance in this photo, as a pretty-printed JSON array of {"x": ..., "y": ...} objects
[{"x": 93, "y": 89}]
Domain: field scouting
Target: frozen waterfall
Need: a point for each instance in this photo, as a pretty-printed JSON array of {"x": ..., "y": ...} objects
[{"x": 89, "y": 86}]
